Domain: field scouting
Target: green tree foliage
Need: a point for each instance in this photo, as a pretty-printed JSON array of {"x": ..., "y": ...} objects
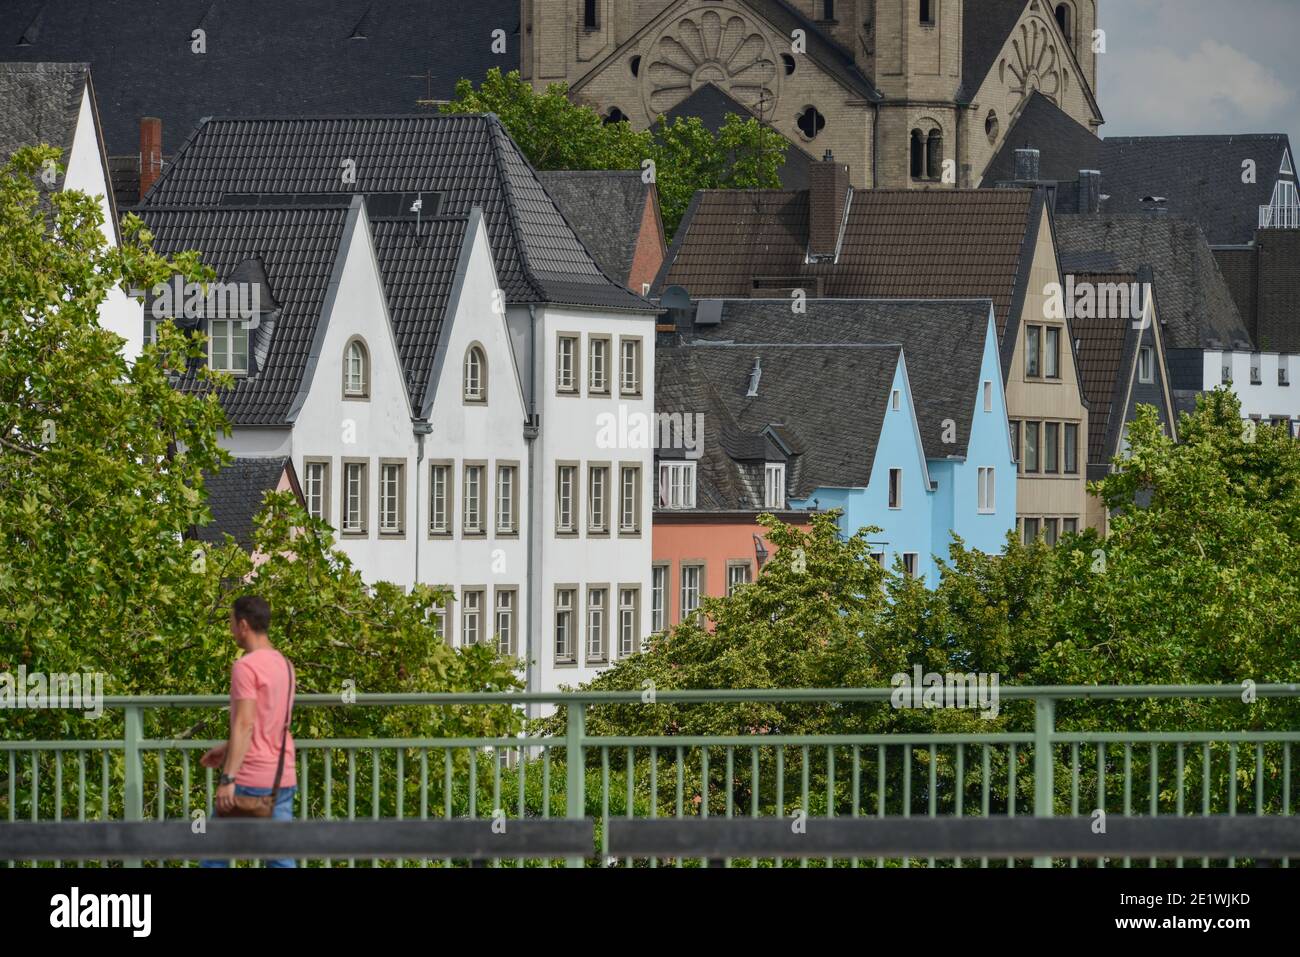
[{"x": 556, "y": 133}]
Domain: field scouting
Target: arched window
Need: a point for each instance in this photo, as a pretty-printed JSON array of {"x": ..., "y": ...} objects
[
  {"x": 934, "y": 155},
  {"x": 927, "y": 11},
  {"x": 590, "y": 15},
  {"x": 356, "y": 369},
  {"x": 615, "y": 115},
  {"x": 810, "y": 122},
  {"x": 475, "y": 375},
  {"x": 918, "y": 155},
  {"x": 1064, "y": 17}
]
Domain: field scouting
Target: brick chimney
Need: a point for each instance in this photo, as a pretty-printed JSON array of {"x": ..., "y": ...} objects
[
  {"x": 1027, "y": 165},
  {"x": 1089, "y": 191},
  {"x": 150, "y": 152},
  {"x": 828, "y": 194}
]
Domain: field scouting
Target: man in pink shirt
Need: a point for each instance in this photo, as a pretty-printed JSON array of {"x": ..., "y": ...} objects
[{"x": 261, "y": 703}]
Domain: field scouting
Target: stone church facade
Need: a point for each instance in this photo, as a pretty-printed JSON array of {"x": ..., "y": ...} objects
[{"x": 909, "y": 93}]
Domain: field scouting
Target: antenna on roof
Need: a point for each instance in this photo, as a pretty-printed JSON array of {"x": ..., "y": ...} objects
[{"x": 754, "y": 375}]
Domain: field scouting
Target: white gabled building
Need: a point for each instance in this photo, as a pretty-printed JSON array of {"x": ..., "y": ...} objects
[
  {"x": 447, "y": 380},
  {"x": 54, "y": 104}
]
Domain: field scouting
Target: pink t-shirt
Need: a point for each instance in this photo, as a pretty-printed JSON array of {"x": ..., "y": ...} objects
[{"x": 263, "y": 675}]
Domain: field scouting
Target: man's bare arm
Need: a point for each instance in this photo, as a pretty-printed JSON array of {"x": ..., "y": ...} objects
[{"x": 243, "y": 712}]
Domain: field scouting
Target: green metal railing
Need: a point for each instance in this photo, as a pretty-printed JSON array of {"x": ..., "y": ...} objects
[{"x": 1031, "y": 765}]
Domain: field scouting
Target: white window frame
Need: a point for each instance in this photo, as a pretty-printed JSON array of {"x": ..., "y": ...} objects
[
  {"x": 352, "y": 521},
  {"x": 677, "y": 485},
  {"x": 356, "y": 370},
  {"x": 504, "y": 622},
  {"x": 392, "y": 495},
  {"x": 596, "y": 633},
  {"x": 441, "y": 497},
  {"x": 566, "y": 494},
  {"x": 471, "y": 616},
  {"x": 564, "y": 613},
  {"x": 223, "y": 332},
  {"x": 507, "y": 493},
  {"x": 659, "y": 579},
  {"x": 692, "y": 585},
  {"x": 629, "y": 366},
  {"x": 629, "y": 621},
  {"x": 566, "y": 363},
  {"x": 738, "y": 573},
  {"x": 1146, "y": 364},
  {"x": 774, "y": 485},
  {"x": 472, "y": 486},
  {"x": 598, "y": 365},
  {"x": 598, "y": 500},
  {"x": 475, "y": 375},
  {"x": 316, "y": 487},
  {"x": 987, "y": 490},
  {"x": 988, "y": 396},
  {"x": 629, "y": 499}
]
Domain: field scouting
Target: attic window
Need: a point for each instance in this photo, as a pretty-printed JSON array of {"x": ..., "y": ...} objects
[
  {"x": 774, "y": 485},
  {"x": 228, "y": 346},
  {"x": 992, "y": 126},
  {"x": 1146, "y": 365},
  {"x": 1064, "y": 19},
  {"x": 810, "y": 122},
  {"x": 895, "y": 401}
]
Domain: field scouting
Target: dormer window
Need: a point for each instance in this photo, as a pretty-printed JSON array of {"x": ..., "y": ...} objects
[
  {"x": 475, "y": 375},
  {"x": 774, "y": 485},
  {"x": 228, "y": 346},
  {"x": 677, "y": 485},
  {"x": 356, "y": 370},
  {"x": 1146, "y": 365}
]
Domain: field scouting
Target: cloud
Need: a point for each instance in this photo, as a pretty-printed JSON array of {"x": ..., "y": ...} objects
[{"x": 1214, "y": 86}]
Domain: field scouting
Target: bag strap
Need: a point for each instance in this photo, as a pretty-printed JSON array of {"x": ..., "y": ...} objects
[{"x": 284, "y": 735}]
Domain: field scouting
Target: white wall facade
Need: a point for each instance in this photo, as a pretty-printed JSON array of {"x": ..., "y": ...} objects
[{"x": 1266, "y": 399}]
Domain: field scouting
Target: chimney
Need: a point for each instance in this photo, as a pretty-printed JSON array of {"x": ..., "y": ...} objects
[
  {"x": 150, "y": 152},
  {"x": 828, "y": 194},
  {"x": 1089, "y": 191},
  {"x": 1027, "y": 161}
]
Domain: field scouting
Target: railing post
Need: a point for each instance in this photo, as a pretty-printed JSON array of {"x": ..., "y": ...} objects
[
  {"x": 1044, "y": 772},
  {"x": 133, "y": 787},
  {"x": 575, "y": 761}
]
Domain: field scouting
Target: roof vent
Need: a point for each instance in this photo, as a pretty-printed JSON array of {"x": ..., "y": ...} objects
[{"x": 754, "y": 375}]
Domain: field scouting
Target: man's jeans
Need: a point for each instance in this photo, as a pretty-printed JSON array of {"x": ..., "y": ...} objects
[{"x": 283, "y": 812}]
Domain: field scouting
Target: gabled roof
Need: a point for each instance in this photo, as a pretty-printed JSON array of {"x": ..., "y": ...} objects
[
  {"x": 40, "y": 103},
  {"x": 1199, "y": 176},
  {"x": 470, "y": 160},
  {"x": 1107, "y": 351},
  {"x": 298, "y": 246},
  {"x": 1065, "y": 147},
  {"x": 1196, "y": 306},
  {"x": 712, "y": 105},
  {"x": 942, "y": 343},
  {"x": 986, "y": 27},
  {"x": 349, "y": 56},
  {"x": 236, "y": 493},
  {"x": 897, "y": 244},
  {"x": 811, "y": 393},
  {"x": 606, "y": 208}
]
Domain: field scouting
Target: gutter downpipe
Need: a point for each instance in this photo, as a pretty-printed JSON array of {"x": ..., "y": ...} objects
[
  {"x": 422, "y": 428},
  {"x": 531, "y": 429},
  {"x": 875, "y": 149}
]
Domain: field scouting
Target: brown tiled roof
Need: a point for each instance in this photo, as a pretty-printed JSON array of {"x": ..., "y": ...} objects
[
  {"x": 1103, "y": 348},
  {"x": 898, "y": 244}
]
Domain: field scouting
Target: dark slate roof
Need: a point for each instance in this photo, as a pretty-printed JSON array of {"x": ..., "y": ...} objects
[
  {"x": 39, "y": 103},
  {"x": 1200, "y": 176},
  {"x": 469, "y": 159},
  {"x": 298, "y": 247},
  {"x": 813, "y": 393},
  {"x": 606, "y": 209},
  {"x": 236, "y": 492},
  {"x": 986, "y": 26},
  {"x": 942, "y": 343},
  {"x": 898, "y": 244},
  {"x": 1107, "y": 349},
  {"x": 837, "y": 61},
  {"x": 1064, "y": 145},
  {"x": 712, "y": 104},
  {"x": 1196, "y": 307},
  {"x": 263, "y": 58}
]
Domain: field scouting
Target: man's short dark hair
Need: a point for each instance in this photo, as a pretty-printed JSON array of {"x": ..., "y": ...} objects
[{"x": 253, "y": 610}]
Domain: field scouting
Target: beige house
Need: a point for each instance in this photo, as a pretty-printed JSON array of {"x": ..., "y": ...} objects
[{"x": 909, "y": 93}]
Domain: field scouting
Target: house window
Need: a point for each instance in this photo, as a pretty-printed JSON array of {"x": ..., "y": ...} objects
[
  {"x": 471, "y": 618},
  {"x": 507, "y": 500},
  {"x": 354, "y": 498},
  {"x": 1051, "y": 447},
  {"x": 1283, "y": 378},
  {"x": 691, "y": 575},
  {"x": 878, "y": 558},
  {"x": 917, "y": 155},
  {"x": 475, "y": 375},
  {"x": 629, "y": 621},
  {"x": 566, "y": 364},
  {"x": 909, "y": 564},
  {"x": 895, "y": 488},
  {"x": 591, "y": 14},
  {"x": 317, "y": 489},
  {"x": 1052, "y": 353},
  {"x": 927, "y": 12},
  {"x": 597, "y": 365},
  {"x": 629, "y": 366},
  {"x": 1015, "y": 442},
  {"x": 738, "y": 573},
  {"x": 1031, "y": 527},
  {"x": 1226, "y": 375},
  {"x": 629, "y": 500},
  {"x": 987, "y": 500},
  {"x": 505, "y": 622},
  {"x": 1031, "y": 446},
  {"x": 564, "y": 601},
  {"x": 1069, "y": 526},
  {"x": 934, "y": 155},
  {"x": 658, "y": 598},
  {"x": 1063, "y": 19},
  {"x": 474, "y": 504},
  {"x": 566, "y": 479},
  {"x": 810, "y": 122},
  {"x": 677, "y": 485},
  {"x": 392, "y": 498},
  {"x": 440, "y": 498},
  {"x": 228, "y": 346},
  {"x": 1033, "y": 352},
  {"x": 988, "y": 396},
  {"x": 1146, "y": 365},
  {"x": 438, "y": 616},
  {"x": 1051, "y": 531},
  {"x": 1071, "y": 448},
  {"x": 828, "y": 9},
  {"x": 774, "y": 485},
  {"x": 356, "y": 370},
  {"x": 598, "y": 500},
  {"x": 596, "y": 609},
  {"x": 1256, "y": 378},
  {"x": 896, "y": 400}
]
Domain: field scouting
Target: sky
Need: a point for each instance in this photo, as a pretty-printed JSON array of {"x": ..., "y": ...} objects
[{"x": 1200, "y": 66}]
